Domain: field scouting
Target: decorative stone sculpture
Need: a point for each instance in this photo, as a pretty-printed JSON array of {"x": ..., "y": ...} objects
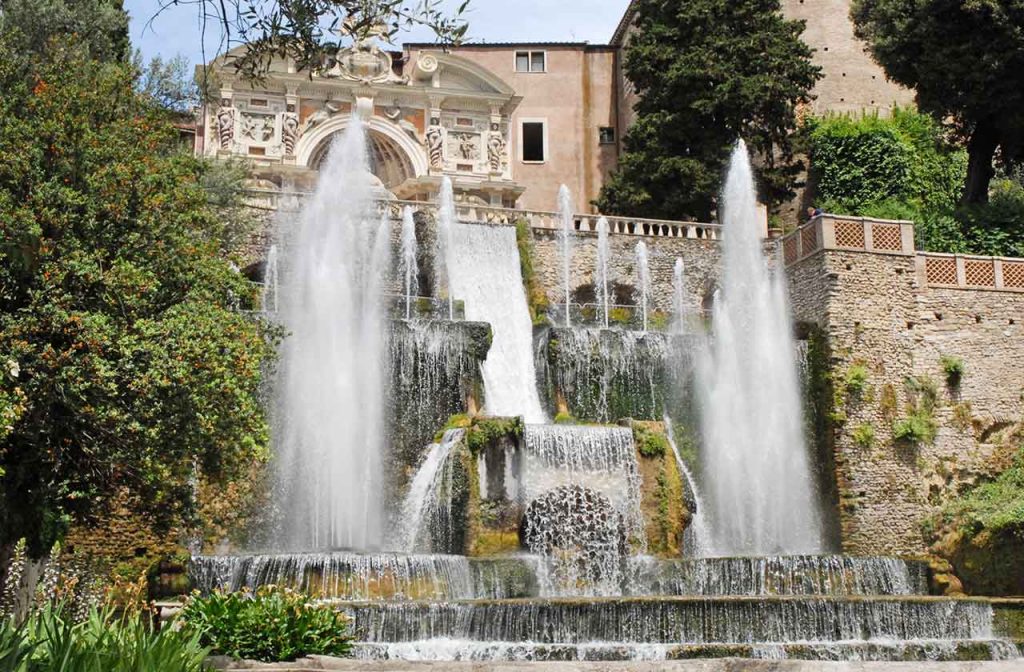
[
  {"x": 289, "y": 132},
  {"x": 257, "y": 127},
  {"x": 226, "y": 126},
  {"x": 435, "y": 146},
  {"x": 496, "y": 151},
  {"x": 318, "y": 117}
]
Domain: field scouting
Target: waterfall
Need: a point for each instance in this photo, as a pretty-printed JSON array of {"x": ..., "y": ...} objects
[
  {"x": 429, "y": 492},
  {"x": 761, "y": 495},
  {"x": 269, "y": 297},
  {"x": 445, "y": 245},
  {"x": 328, "y": 413},
  {"x": 487, "y": 276},
  {"x": 643, "y": 279},
  {"x": 565, "y": 210},
  {"x": 601, "y": 279},
  {"x": 697, "y": 537},
  {"x": 409, "y": 268}
]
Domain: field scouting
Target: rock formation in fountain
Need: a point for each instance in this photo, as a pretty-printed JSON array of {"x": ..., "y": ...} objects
[
  {"x": 329, "y": 397},
  {"x": 486, "y": 275},
  {"x": 757, "y": 478}
]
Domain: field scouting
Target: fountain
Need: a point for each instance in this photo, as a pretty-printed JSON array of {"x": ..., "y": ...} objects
[
  {"x": 565, "y": 210},
  {"x": 698, "y": 543},
  {"x": 601, "y": 276},
  {"x": 269, "y": 297},
  {"x": 760, "y": 491},
  {"x": 328, "y": 414},
  {"x": 409, "y": 268},
  {"x": 679, "y": 311},
  {"x": 445, "y": 245},
  {"x": 643, "y": 279}
]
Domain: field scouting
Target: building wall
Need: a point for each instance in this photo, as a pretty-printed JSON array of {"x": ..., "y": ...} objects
[
  {"x": 852, "y": 81},
  {"x": 575, "y": 96},
  {"x": 874, "y": 312}
]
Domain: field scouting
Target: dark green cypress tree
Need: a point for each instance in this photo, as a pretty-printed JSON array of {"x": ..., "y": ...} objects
[{"x": 707, "y": 73}]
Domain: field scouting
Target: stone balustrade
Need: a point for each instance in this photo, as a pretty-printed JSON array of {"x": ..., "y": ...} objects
[
  {"x": 537, "y": 219},
  {"x": 837, "y": 232},
  {"x": 970, "y": 272}
]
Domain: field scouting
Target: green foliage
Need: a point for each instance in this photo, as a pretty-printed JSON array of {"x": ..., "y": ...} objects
[
  {"x": 100, "y": 26},
  {"x": 649, "y": 441},
  {"x": 919, "y": 426},
  {"x": 564, "y": 418},
  {"x": 996, "y": 228},
  {"x": 537, "y": 298},
  {"x": 864, "y": 435},
  {"x": 272, "y": 624},
  {"x": 52, "y": 640},
  {"x": 128, "y": 359},
  {"x": 953, "y": 367},
  {"x": 699, "y": 92},
  {"x": 168, "y": 84},
  {"x": 964, "y": 60},
  {"x": 488, "y": 431},
  {"x": 856, "y": 379},
  {"x": 996, "y": 506}
]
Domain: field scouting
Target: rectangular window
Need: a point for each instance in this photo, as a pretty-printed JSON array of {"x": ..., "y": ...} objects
[
  {"x": 531, "y": 61},
  {"x": 534, "y": 147},
  {"x": 607, "y": 135}
]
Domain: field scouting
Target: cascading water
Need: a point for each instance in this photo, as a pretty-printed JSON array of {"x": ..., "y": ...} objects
[
  {"x": 487, "y": 276},
  {"x": 601, "y": 276},
  {"x": 446, "y": 219},
  {"x": 429, "y": 493},
  {"x": 761, "y": 495},
  {"x": 408, "y": 267},
  {"x": 328, "y": 416},
  {"x": 697, "y": 541},
  {"x": 269, "y": 299},
  {"x": 643, "y": 279},
  {"x": 565, "y": 211}
]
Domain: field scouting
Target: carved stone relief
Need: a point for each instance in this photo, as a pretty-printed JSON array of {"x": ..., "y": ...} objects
[
  {"x": 258, "y": 127},
  {"x": 435, "y": 144},
  {"x": 464, "y": 146},
  {"x": 496, "y": 147},
  {"x": 289, "y": 132},
  {"x": 225, "y": 126}
]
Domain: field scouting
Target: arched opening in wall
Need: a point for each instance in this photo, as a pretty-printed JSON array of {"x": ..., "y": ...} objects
[{"x": 388, "y": 161}]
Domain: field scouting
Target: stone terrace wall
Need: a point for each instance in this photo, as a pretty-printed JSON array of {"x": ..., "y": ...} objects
[{"x": 875, "y": 311}]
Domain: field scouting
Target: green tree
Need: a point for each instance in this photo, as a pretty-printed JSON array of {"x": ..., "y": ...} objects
[
  {"x": 966, "y": 62},
  {"x": 100, "y": 26},
  {"x": 708, "y": 72},
  {"x": 308, "y": 30},
  {"x": 128, "y": 363}
]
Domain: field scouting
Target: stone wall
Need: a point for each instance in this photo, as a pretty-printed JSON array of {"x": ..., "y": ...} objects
[{"x": 877, "y": 316}]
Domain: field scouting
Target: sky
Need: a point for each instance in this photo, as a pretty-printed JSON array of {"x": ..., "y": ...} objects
[{"x": 177, "y": 30}]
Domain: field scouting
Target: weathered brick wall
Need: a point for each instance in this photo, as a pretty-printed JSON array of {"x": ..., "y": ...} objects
[{"x": 875, "y": 313}]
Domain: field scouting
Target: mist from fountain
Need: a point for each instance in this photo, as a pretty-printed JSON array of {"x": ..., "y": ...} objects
[
  {"x": 679, "y": 311},
  {"x": 269, "y": 299},
  {"x": 760, "y": 491},
  {"x": 328, "y": 413},
  {"x": 565, "y": 210},
  {"x": 601, "y": 275},
  {"x": 643, "y": 279},
  {"x": 446, "y": 219},
  {"x": 408, "y": 268}
]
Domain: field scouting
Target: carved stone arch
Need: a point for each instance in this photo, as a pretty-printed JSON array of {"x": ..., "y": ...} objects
[{"x": 394, "y": 155}]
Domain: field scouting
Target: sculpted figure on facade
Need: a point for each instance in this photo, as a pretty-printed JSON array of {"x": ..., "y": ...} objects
[
  {"x": 319, "y": 117},
  {"x": 496, "y": 151},
  {"x": 226, "y": 126},
  {"x": 289, "y": 132},
  {"x": 435, "y": 145},
  {"x": 257, "y": 127},
  {"x": 467, "y": 146}
]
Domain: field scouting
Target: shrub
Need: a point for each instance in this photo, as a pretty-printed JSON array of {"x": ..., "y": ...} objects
[
  {"x": 914, "y": 429},
  {"x": 919, "y": 426},
  {"x": 649, "y": 442},
  {"x": 856, "y": 379},
  {"x": 996, "y": 506},
  {"x": 565, "y": 419},
  {"x": 272, "y": 624},
  {"x": 864, "y": 435},
  {"x": 953, "y": 367}
]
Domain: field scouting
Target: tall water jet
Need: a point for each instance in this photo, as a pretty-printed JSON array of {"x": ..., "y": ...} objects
[
  {"x": 643, "y": 279},
  {"x": 679, "y": 312},
  {"x": 487, "y": 276},
  {"x": 565, "y": 210},
  {"x": 601, "y": 279},
  {"x": 409, "y": 268},
  {"x": 445, "y": 246},
  {"x": 269, "y": 300},
  {"x": 697, "y": 537},
  {"x": 761, "y": 493},
  {"x": 328, "y": 416}
]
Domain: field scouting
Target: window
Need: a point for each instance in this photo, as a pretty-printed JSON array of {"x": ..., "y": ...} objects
[
  {"x": 531, "y": 61},
  {"x": 607, "y": 135},
  {"x": 533, "y": 137}
]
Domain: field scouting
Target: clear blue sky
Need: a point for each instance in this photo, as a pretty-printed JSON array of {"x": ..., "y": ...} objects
[{"x": 177, "y": 29}]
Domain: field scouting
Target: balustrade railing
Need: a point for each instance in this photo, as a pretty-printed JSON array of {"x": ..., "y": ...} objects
[
  {"x": 837, "y": 232},
  {"x": 536, "y": 219},
  {"x": 970, "y": 272}
]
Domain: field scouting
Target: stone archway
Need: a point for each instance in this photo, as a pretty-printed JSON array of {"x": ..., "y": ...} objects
[{"x": 388, "y": 161}]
